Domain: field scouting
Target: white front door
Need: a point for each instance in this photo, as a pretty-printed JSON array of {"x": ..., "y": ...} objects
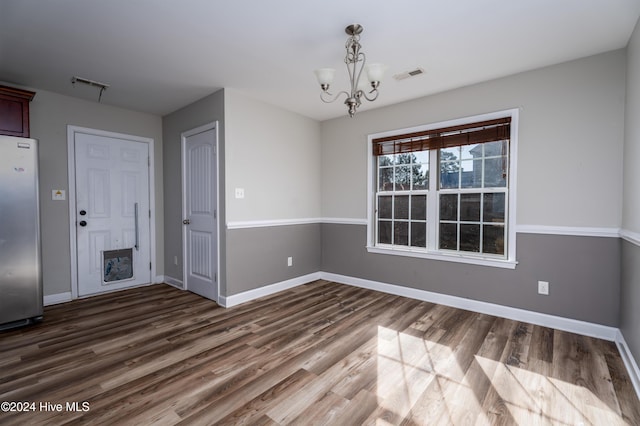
[
  {"x": 112, "y": 213},
  {"x": 200, "y": 205}
]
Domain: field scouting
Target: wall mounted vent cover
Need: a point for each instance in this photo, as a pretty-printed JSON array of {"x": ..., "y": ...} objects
[{"x": 411, "y": 73}]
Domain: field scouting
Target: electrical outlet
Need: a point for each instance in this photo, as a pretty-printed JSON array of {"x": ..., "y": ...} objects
[
  {"x": 239, "y": 192},
  {"x": 289, "y": 261},
  {"x": 543, "y": 287}
]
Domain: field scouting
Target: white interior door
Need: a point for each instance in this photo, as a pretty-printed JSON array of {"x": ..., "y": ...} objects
[
  {"x": 112, "y": 213},
  {"x": 200, "y": 187}
]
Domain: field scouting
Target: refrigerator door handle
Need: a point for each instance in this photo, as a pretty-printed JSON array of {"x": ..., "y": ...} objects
[{"x": 135, "y": 210}]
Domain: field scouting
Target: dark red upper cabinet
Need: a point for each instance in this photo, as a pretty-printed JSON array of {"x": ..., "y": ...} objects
[{"x": 14, "y": 111}]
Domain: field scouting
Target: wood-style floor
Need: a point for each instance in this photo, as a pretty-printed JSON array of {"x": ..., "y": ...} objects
[{"x": 322, "y": 353}]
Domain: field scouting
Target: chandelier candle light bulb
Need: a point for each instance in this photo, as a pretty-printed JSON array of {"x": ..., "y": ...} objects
[{"x": 355, "y": 61}]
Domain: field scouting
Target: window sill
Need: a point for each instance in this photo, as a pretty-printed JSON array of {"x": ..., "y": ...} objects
[{"x": 482, "y": 261}]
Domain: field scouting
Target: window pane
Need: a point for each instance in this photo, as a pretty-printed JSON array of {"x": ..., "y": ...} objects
[
  {"x": 448, "y": 236},
  {"x": 449, "y": 167},
  {"x": 385, "y": 160},
  {"x": 494, "y": 207},
  {"x": 401, "y": 207},
  {"x": 493, "y": 239},
  {"x": 419, "y": 207},
  {"x": 405, "y": 158},
  {"x": 401, "y": 233},
  {"x": 418, "y": 234},
  {"x": 495, "y": 172},
  {"x": 449, "y": 207},
  {"x": 471, "y": 174},
  {"x": 420, "y": 176},
  {"x": 470, "y": 207},
  {"x": 449, "y": 175},
  {"x": 495, "y": 149},
  {"x": 403, "y": 178},
  {"x": 384, "y": 232},
  {"x": 421, "y": 157},
  {"x": 470, "y": 238},
  {"x": 471, "y": 151},
  {"x": 384, "y": 207},
  {"x": 385, "y": 179},
  {"x": 450, "y": 154}
]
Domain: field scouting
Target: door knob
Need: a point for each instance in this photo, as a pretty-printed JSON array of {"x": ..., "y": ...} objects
[
  {"x": 186, "y": 221},
  {"x": 83, "y": 223},
  {"x": 83, "y": 212}
]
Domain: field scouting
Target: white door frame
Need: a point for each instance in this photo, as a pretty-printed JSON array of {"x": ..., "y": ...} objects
[
  {"x": 183, "y": 139},
  {"x": 71, "y": 156}
]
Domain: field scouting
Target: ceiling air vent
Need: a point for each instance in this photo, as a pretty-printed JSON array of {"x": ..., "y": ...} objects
[{"x": 411, "y": 73}]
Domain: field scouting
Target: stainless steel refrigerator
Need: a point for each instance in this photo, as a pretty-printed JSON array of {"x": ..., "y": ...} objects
[{"x": 21, "y": 297}]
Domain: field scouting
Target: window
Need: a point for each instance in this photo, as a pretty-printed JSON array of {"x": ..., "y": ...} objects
[{"x": 446, "y": 191}]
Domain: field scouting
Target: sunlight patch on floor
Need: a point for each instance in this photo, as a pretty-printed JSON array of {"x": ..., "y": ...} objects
[
  {"x": 411, "y": 371},
  {"x": 528, "y": 395},
  {"x": 421, "y": 380}
]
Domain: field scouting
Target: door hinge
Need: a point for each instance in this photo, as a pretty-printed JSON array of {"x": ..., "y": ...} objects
[
  {"x": 215, "y": 214},
  {"x": 149, "y": 214},
  {"x": 149, "y": 161},
  {"x": 149, "y": 265},
  {"x": 215, "y": 277}
]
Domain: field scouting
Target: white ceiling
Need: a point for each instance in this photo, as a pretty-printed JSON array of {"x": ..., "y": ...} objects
[{"x": 160, "y": 55}]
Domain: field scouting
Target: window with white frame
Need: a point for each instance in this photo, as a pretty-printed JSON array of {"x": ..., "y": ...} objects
[{"x": 445, "y": 191}]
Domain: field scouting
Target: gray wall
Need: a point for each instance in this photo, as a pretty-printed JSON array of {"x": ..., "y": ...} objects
[
  {"x": 258, "y": 256},
  {"x": 584, "y": 273},
  {"x": 50, "y": 113},
  {"x": 204, "y": 111},
  {"x": 630, "y": 297},
  {"x": 566, "y": 178},
  {"x": 630, "y": 286}
]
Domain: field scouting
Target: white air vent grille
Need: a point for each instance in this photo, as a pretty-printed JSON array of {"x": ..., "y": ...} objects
[{"x": 411, "y": 73}]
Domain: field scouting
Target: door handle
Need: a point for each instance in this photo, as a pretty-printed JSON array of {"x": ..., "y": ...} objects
[
  {"x": 135, "y": 210},
  {"x": 186, "y": 222}
]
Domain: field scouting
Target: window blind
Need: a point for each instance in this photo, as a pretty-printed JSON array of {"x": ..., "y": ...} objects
[{"x": 445, "y": 137}]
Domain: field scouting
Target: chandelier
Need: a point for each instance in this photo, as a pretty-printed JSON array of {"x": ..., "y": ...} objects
[{"x": 355, "y": 61}]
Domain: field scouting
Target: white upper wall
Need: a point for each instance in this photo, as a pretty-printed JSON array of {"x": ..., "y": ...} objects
[
  {"x": 569, "y": 148},
  {"x": 631, "y": 205},
  {"x": 274, "y": 155}
]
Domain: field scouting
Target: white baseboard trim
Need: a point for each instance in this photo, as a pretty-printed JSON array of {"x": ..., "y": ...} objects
[
  {"x": 546, "y": 320},
  {"x": 54, "y": 299},
  {"x": 173, "y": 282},
  {"x": 268, "y": 290},
  {"x": 629, "y": 362}
]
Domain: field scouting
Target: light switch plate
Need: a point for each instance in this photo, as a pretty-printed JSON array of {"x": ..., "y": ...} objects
[{"x": 58, "y": 194}]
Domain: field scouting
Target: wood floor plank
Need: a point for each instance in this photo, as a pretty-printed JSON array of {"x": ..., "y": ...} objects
[{"x": 320, "y": 353}]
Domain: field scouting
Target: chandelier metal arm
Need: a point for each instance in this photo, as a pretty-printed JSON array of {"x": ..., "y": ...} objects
[
  {"x": 375, "y": 95},
  {"x": 337, "y": 95}
]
